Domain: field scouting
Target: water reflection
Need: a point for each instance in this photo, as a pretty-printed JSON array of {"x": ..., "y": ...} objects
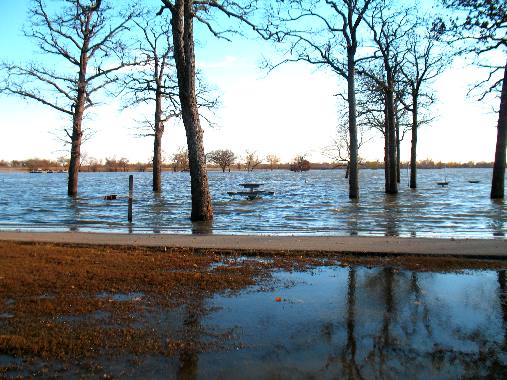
[
  {"x": 189, "y": 357},
  {"x": 157, "y": 211},
  {"x": 202, "y": 228},
  {"x": 391, "y": 214},
  {"x": 369, "y": 323},
  {"x": 498, "y": 217},
  {"x": 75, "y": 214}
]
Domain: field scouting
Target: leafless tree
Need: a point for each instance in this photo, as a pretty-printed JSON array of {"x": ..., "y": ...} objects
[
  {"x": 180, "y": 160},
  {"x": 182, "y": 14},
  {"x": 154, "y": 82},
  {"x": 481, "y": 27},
  {"x": 273, "y": 161},
  {"x": 222, "y": 157},
  {"x": 388, "y": 31},
  {"x": 82, "y": 40},
  {"x": 251, "y": 161},
  {"x": 425, "y": 59},
  {"x": 339, "y": 150},
  {"x": 326, "y": 33},
  {"x": 299, "y": 164}
]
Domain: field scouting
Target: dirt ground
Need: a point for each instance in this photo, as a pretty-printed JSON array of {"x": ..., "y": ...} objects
[{"x": 72, "y": 304}]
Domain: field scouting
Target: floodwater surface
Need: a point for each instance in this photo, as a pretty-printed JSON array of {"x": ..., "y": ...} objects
[
  {"x": 333, "y": 322},
  {"x": 366, "y": 323},
  {"x": 310, "y": 203}
]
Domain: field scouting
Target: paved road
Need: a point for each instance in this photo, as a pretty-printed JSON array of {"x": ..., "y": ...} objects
[{"x": 485, "y": 248}]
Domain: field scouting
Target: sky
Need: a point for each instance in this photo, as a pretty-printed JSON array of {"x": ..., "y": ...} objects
[{"x": 289, "y": 111}]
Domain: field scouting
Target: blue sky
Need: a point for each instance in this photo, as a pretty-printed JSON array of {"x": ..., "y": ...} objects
[{"x": 291, "y": 111}]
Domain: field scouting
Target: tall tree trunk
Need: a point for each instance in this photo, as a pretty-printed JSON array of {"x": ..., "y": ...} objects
[
  {"x": 498, "y": 181},
  {"x": 77, "y": 120},
  {"x": 386, "y": 146},
  {"x": 351, "y": 94},
  {"x": 413, "y": 148},
  {"x": 398, "y": 159},
  {"x": 75, "y": 153},
  {"x": 157, "y": 145},
  {"x": 183, "y": 38},
  {"x": 392, "y": 185}
]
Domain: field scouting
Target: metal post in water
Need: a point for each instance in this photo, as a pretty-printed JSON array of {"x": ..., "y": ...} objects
[{"x": 131, "y": 195}]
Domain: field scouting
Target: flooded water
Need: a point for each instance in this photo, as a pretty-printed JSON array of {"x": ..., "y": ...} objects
[
  {"x": 334, "y": 322},
  {"x": 364, "y": 323},
  {"x": 315, "y": 202}
]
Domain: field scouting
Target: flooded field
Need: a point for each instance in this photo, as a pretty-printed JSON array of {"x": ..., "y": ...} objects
[
  {"x": 315, "y": 202},
  {"x": 272, "y": 317}
]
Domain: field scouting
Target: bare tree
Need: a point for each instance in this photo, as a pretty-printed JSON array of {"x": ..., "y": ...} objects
[
  {"x": 339, "y": 150},
  {"x": 251, "y": 161},
  {"x": 299, "y": 164},
  {"x": 223, "y": 158},
  {"x": 273, "y": 161},
  {"x": 85, "y": 45},
  {"x": 424, "y": 60},
  {"x": 482, "y": 31},
  {"x": 180, "y": 160},
  {"x": 183, "y": 13},
  {"x": 389, "y": 30},
  {"x": 326, "y": 33},
  {"x": 154, "y": 82}
]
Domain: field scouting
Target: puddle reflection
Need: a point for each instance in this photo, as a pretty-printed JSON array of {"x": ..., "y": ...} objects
[{"x": 367, "y": 323}]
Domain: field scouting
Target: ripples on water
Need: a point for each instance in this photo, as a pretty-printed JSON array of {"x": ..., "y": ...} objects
[{"x": 315, "y": 202}]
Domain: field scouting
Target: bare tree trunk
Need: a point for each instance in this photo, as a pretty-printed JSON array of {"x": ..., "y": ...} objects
[
  {"x": 77, "y": 119},
  {"x": 75, "y": 155},
  {"x": 351, "y": 94},
  {"x": 183, "y": 37},
  {"x": 398, "y": 159},
  {"x": 386, "y": 146},
  {"x": 413, "y": 148},
  {"x": 392, "y": 184},
  {"x": 497, "y": 184},
  {"x": 157, "y": 145}
]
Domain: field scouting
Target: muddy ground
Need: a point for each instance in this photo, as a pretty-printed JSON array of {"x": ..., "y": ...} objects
[{"x": 65, "y": 309}]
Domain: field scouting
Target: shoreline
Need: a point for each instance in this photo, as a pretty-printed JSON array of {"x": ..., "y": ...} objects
[{"x": 357, "y": 245}]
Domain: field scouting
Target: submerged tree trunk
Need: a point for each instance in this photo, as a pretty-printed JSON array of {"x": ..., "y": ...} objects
[
  {"x": 75, "y": 155},
  {"x": 398, "y": 159},
  {"x": 413, "y": 148},
  {"x": 157, "y": 144},
  {"x": 497, "y": 184},
  {"x": 386, "y": 146},
  {"x": 392, "y": 184},
  {"x": 351, "y": 93},
  {"x": 77, "y": 120},
  {"x": 183, "y": 37}
]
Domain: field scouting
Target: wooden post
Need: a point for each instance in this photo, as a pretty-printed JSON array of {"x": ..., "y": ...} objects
[{"x": 131, "y": 195}]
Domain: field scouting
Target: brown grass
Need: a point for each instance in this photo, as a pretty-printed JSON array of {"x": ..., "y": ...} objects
[{"x": 49, "y": 301}]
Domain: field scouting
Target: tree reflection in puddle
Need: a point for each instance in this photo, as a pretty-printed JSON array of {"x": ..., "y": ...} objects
[{"x": 368, "y": 323}]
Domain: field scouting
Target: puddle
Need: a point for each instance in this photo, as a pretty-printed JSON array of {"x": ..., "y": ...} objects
[
  {"x": 365, "y": 323},
  {"x": 122, "y": 297},
  {"x": 240, "y": 260},
  {"x": 98, "y": 315},
  {"x": 349, "y": 322}
]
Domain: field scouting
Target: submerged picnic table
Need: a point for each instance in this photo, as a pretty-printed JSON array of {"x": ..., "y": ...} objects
[{"x": 252, "y": 193}]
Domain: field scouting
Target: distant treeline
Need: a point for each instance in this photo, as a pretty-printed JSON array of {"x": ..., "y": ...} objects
[{"x": 123, "y": 165}]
